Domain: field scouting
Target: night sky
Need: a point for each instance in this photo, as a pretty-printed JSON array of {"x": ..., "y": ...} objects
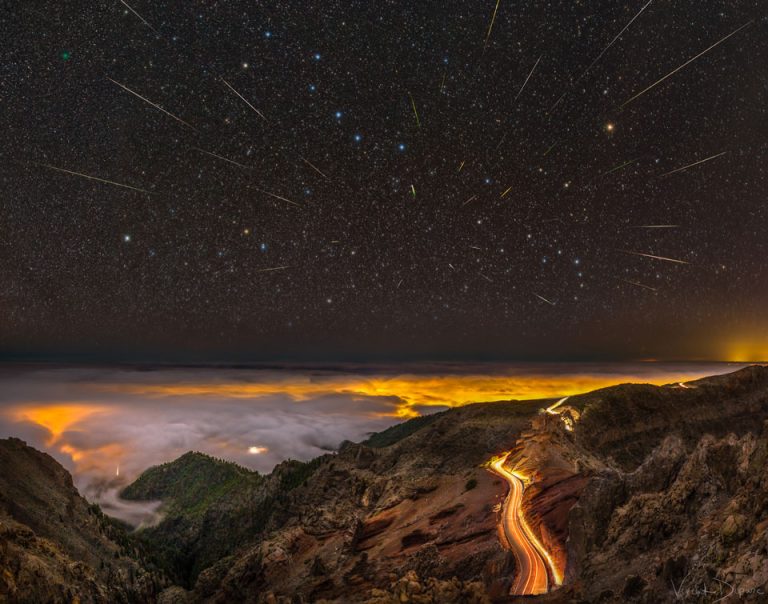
[{"x": 383, "y": 179}]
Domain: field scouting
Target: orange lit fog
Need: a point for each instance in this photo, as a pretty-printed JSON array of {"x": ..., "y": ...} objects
[{"x": 90, "y": 431}]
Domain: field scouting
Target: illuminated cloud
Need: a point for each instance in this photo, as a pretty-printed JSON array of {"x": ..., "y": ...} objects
[{"x": 96, "y": 420}]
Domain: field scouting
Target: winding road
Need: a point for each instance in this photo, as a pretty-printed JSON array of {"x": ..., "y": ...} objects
[{"x": 532, "y": 560}]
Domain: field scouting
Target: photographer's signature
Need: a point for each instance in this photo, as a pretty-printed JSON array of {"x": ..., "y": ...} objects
[{"x": 717, "y": 590}]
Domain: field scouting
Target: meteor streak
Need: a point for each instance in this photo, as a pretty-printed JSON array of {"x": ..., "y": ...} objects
[
  {"x": 221, "y": 157},
  {"x": 96, "y": 178},
  {"x": 653, "y": 289},
  {"x": 274, "y": 268},
  {"x": 519, "y": 92},
  {"x": 314, "y": 167},
  {"x": 696, "y": 163},
  {"x": 415, "y": 113},
  {"x": 664, "y": 258},
  {"x": 656, "y": 226},
  {"x": 155, "y": 105},
  {"x": 598, "y": 57},
  {"x": 619, "y": 167},
  {"x": 490, "y": 27},
  {"x": 470, "y": 199},
  {"x": 504, "y": 194},
  {"x": 689, "y": 61},
  {"x": 143, "y": 20},
  {"x": 281, "y": 198},
  {"x": 260, "y": 114},
  {"x": 543, "y": 298}
]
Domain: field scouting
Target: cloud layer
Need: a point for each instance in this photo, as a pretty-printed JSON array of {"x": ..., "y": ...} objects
[{"x": 108, "y": 425}]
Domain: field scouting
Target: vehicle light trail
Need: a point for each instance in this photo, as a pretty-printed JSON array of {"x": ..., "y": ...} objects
[{"x": 534, "y": 562}]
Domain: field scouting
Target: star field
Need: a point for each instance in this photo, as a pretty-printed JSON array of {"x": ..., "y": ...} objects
[{"x": 383, "y": 179}]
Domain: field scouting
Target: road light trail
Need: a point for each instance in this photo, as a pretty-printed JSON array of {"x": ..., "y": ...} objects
[
  {"x": 696, "y": 163},
  {"x": 688, "y": 62},
  {"x": 96, "y": 178},
  {"x": 155, "y": 105},
  {"x": 534, "y": 562}
]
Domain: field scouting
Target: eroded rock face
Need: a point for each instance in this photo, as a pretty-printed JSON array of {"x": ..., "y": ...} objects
[
  {"x": 641, "y": 494},
  {"x": 54, "y": 546}
]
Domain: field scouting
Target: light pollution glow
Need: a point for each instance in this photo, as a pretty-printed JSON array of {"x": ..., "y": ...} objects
[{"x": 95, "y": 420}]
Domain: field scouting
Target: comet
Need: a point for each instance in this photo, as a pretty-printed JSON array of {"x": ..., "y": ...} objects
[
  {"x": 663, "y": 258},
  {"x": 280, "y": 197},
  {"x": 96, "y": 178},
  {"x": 314, "y": 167},
  {"x": 259, "y": 113},
  {"x": 519, "y": 92},
  {"x": 143, "y": 20},
  {"x": 696, "y": 163},
  {"x": 221, "y": 157},
  {"x": 626, "y": 27},
  {"x": 688, "y": 62},
  {"x": 415, "y": 113},
  {"x": 155, "y": 105},
  {"x": 490, "y": 27},
  {"x": 543, "y": 299}
]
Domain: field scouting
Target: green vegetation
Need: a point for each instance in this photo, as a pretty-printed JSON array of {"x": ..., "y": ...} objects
[
  {"x": 398, "y": 432},
  {"x": 211, "y": 507},
  {"x": 190, "y": 483}
]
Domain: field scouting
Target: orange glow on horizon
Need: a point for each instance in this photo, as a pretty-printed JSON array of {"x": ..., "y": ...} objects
[
  {"x": 407, "y": 394},
  {"x": 412, "y": 390}
]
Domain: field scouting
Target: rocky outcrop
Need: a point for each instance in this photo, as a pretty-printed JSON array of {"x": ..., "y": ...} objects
[{"x": 55, "y": 546}]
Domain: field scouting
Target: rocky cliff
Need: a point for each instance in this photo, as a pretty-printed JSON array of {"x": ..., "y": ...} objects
[
  {"x": 640, "y": 493},
  {"x": 55, "y": 546}
]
